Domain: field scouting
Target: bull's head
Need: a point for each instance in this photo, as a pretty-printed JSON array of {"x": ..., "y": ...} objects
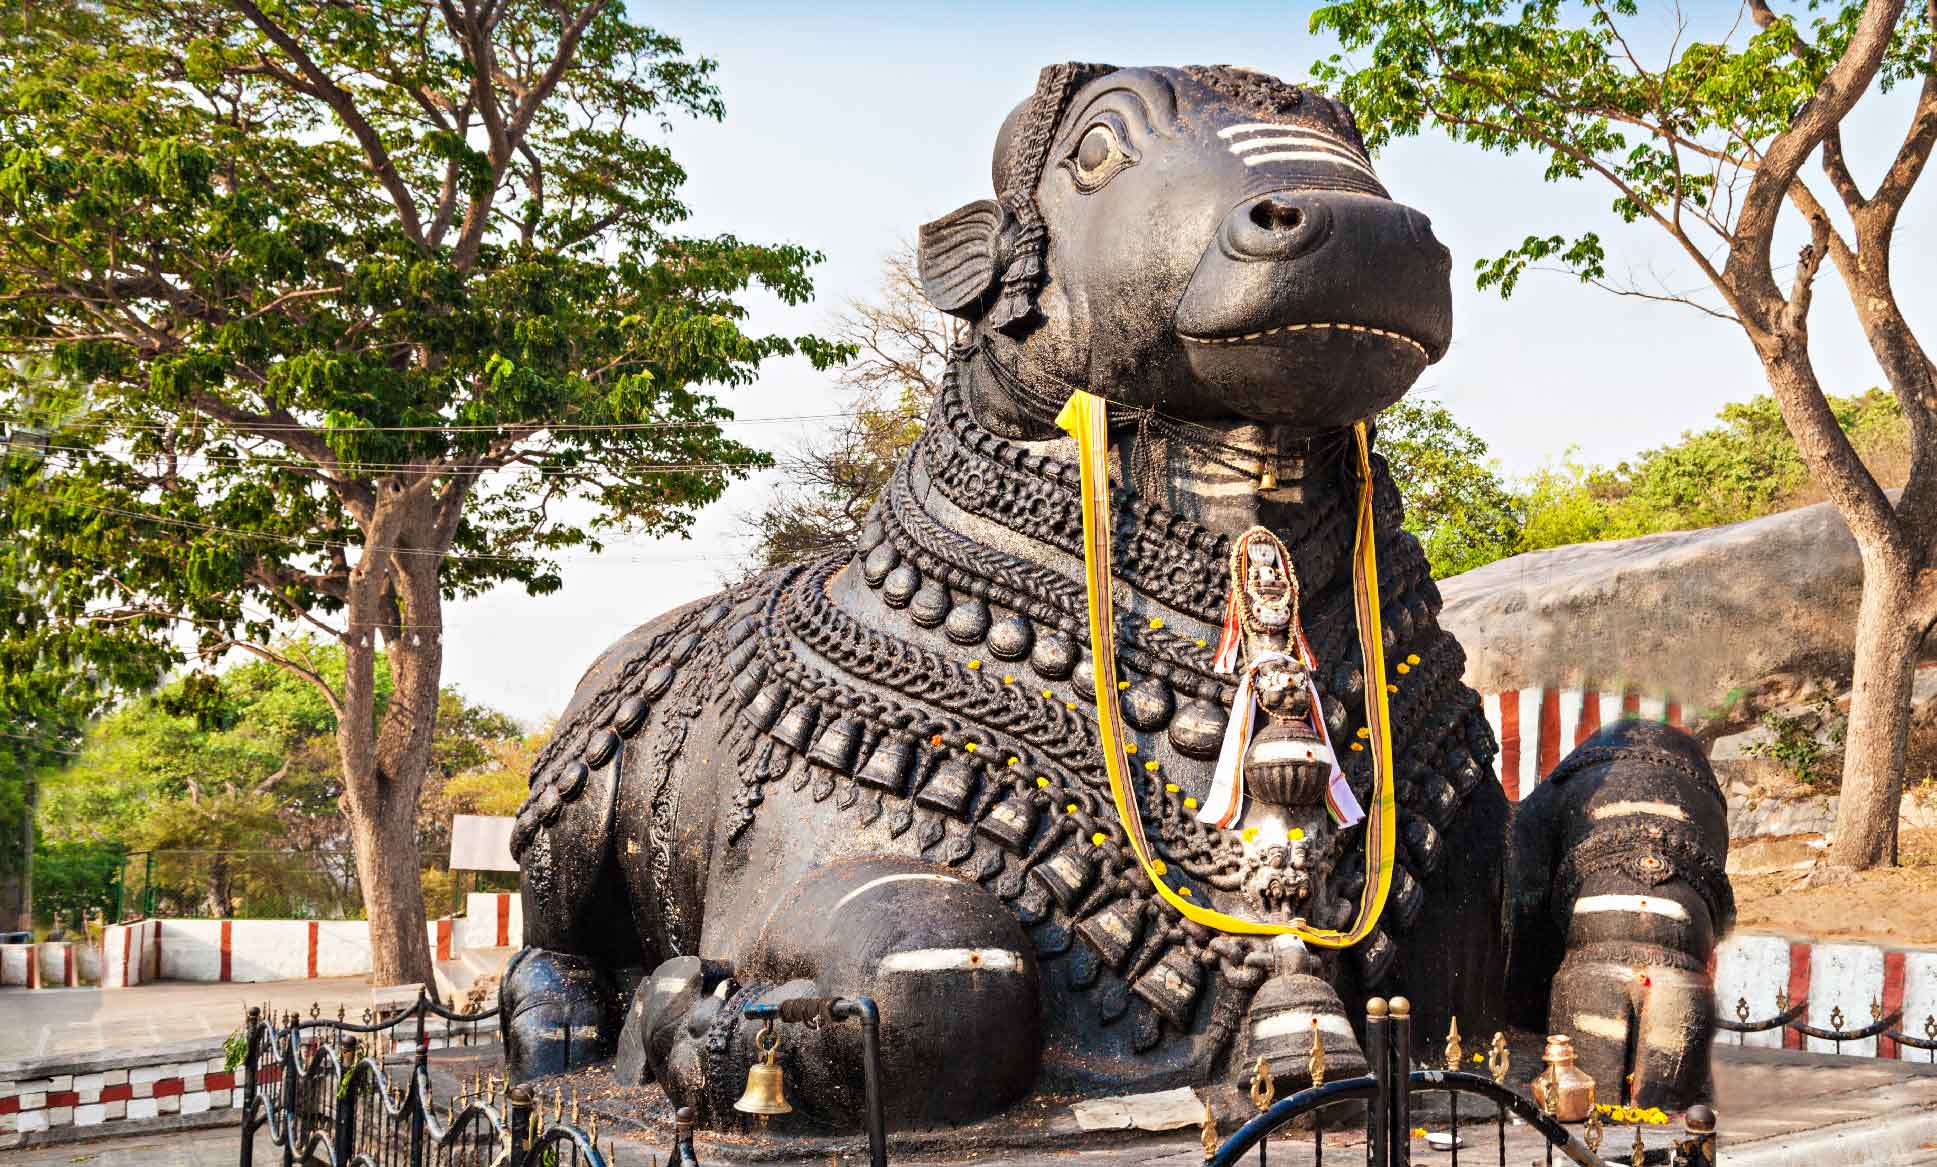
[{"x": 1209, "y": 242}]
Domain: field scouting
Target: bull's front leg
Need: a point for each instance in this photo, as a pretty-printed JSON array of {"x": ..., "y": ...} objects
[{"x": 1620, "y": 896}]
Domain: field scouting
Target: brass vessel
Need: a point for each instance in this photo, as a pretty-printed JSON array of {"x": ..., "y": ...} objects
[{"x": 1563, "y": 1090}]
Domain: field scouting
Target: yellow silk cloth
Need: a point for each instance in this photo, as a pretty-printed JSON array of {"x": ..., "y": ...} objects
[{"x": 1086, "y": 418}]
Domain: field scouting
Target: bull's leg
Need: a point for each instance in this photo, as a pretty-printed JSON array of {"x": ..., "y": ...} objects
[
  {"x": 946, "y": 962},
  {"x": 562, "y": 995},
  {"x": 1620, "y": 896},
  {"x": 554, "y": 1008}
]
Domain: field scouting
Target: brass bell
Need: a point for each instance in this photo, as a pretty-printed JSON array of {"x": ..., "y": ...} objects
[
  {"x": 1267, "y": 481},
  {"x": 766, "y": 1092}
]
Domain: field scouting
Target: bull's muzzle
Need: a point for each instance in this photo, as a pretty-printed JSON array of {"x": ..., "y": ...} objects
[{"x": 1317, "y": 306}]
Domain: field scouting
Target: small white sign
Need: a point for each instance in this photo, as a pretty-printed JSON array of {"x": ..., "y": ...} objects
[{"x": 481, "y": 842}]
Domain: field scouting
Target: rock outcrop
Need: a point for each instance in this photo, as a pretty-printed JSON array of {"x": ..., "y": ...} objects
[{"x": 1696, "y": 614}]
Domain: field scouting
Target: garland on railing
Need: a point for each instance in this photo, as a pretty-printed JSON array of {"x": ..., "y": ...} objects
[{"x": 325, "y": 1100}]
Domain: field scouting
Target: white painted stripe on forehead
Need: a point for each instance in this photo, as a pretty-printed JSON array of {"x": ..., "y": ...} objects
[
  {"x": 1307, "y": 141},
  {"x": 953, "y": 960},
  {"x": 1309, "y": 156},
  {"x": 1647, "y": 905},
  {"x": 1275, "y": 127},
  {"x": 1325, "y": 140}
]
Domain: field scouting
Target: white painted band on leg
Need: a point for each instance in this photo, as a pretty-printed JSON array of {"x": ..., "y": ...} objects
[
  {"x": 1648, "y": 905},
  {"x": 953, "y": 960},
  {"x": 1617, "y": 810},
  {"x": 1596, "y": 1025}
]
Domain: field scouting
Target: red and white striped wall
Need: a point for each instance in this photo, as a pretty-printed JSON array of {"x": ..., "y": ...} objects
[
  {"x": 1536, "y": 728},
  {"x": 245, "y": 951},
  {"x": 1754, "y": 968}
]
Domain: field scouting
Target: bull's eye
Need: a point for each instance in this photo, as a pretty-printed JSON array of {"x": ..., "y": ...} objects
[{"x": 1100, "y": 154}]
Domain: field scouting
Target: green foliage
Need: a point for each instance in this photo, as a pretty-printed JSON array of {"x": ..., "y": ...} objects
[
  {"x": 1456, "y": 503},
  {"x": 1806, "y": 742},
  {"x": 244, "y": 763},
  {"x": 336, "y": 310},
  {"x": 75, "y": 879},
  {"x": 1744, "y": 468},
  {"x": 1564, "y": 81}
]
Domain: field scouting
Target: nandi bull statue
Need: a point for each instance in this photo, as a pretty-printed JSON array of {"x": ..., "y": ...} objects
[{"x": 1124, "y": 750}]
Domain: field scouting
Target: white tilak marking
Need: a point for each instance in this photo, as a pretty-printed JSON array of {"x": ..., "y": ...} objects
[
  {"x": 1283, "y": 1024},
  {"x": 1615, "y": 810},
  {"x": 1595, "y": 1025},
  {"x": 1306, "y": 156},
  {"x": 953, "y": 960},
  {"x": 1650, "y": 905},
  {"x": 1312, "y": 141},
  {"x": 1229, "y": 132},
  {"x": 905, "y": 877},
  {"x": 670, "y": 984}
]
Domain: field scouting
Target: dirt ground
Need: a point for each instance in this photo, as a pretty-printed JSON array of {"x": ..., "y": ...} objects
[{"x": 1896, "y": 905}]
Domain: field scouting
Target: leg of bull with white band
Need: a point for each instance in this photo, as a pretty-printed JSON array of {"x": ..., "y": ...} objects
[{"x": 1622, "y": 897}]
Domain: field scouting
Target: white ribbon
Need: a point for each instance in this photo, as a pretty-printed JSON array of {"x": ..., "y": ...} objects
[{"x": 1224, "y": 803}]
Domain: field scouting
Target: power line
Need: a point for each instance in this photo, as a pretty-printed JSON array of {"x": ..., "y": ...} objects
[
  {"x": 380, "y": 468},
  {"x": 555, "y": 427},
  {"x": 328, "y": 544}
]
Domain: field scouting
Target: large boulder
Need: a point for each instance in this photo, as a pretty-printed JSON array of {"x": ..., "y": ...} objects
[{"x": 1696, "y": 614}]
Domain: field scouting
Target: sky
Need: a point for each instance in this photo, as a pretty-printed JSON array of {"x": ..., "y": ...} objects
[{"x": 848, "y": 125}]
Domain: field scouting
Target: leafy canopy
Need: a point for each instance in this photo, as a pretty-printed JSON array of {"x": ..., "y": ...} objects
[
  {"x": 1578, "y": 84},
  {"x": 303, "y": 255}
]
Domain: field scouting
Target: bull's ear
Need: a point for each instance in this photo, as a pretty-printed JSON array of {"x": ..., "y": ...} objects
[{"x": 958, "y": 257}]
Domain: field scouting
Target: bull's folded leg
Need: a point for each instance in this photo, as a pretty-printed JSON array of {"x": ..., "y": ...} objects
[
  {"x": 1619, "y": 899},
  {"x": 951, "y": 970},
  {"x": 554, "y": 1007}
]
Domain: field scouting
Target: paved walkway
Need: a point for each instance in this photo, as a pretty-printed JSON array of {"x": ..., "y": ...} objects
[{"x": 50, "y": 1022}]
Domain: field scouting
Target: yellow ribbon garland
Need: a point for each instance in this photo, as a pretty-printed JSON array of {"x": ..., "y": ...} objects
[{"x": 1085, "y": 418}]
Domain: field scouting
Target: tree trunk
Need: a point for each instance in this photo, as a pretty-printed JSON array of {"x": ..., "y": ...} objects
[
  {"x": 396, "y": 598},
  {"x": 385, "y": 839},
  {"x": 1889, "y": 635}
]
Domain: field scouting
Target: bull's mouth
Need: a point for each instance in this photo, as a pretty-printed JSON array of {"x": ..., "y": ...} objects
[{"x": 1316, "y": 326}]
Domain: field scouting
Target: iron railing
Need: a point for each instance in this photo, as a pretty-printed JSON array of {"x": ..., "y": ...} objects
[
  {"x": 1789, "y": 1016},
  {"x": 1386, "y": 1092},
  {"x": 323, "y": 1090}
]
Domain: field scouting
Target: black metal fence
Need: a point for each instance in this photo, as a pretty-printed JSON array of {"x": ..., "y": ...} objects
[
  {"x": 1386, "y": 1093},
  {"x": 1789, "y": 1016},
  {"x": 323, "y": 1090}
]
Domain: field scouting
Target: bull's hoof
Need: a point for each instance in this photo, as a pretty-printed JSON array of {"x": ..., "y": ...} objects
[{"x": 553, "y": 1012}]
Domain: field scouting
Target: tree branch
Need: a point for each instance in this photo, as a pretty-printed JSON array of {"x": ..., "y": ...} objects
[{"x": 321, "y": 86}]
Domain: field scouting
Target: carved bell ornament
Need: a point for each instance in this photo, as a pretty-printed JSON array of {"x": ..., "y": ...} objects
[
  {"x": 766, "y": 1092},
  {"x": 1564, "y": 1090}
]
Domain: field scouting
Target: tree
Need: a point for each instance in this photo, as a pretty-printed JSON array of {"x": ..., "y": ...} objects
[
  {"x": 1456, "y": 504},
  {"x": 376, "y": 305},
  {"x": 1709, "y": 147},
  {"x": 900, "y": 344},
  {"x": 243, "y": 762}
]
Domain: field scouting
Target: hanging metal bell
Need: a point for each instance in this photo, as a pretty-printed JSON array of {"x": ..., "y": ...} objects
[{"x": 766, "y": 1092}]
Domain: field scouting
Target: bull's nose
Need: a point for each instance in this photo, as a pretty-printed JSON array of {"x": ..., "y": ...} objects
[
  {"x": 1277, "y": 225},
  {"x": 1326, "y": 257}
]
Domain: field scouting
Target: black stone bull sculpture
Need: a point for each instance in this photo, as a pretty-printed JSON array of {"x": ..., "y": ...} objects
[{"x": 879, "y": 773}]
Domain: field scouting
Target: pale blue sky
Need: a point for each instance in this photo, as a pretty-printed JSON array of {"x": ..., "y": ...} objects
[{"x": 849, "y": 124}]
